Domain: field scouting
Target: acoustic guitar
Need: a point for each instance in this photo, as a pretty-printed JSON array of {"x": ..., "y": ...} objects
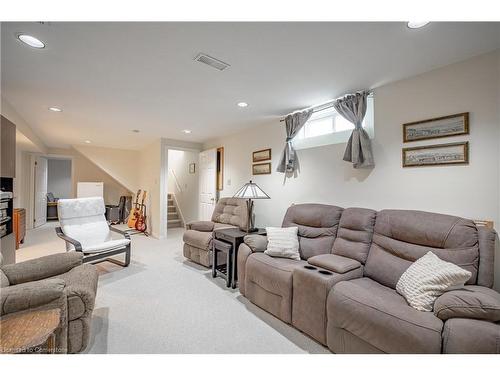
[
  {"x": 140, "y": 224},
  {"x": 132, "y": 218}
]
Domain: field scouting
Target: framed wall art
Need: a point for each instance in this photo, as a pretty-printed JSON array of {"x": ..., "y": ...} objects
[
  {"x": 442, "y": 154},
  {"x": 261, "y": 155},
  {"x": 262, "y": 168},
  {"x": 438, "y": 127}
]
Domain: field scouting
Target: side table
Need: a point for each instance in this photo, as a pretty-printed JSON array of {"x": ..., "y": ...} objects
[
  {"x": 227, "y": 241},
  {"x": 29, "y": 332}
]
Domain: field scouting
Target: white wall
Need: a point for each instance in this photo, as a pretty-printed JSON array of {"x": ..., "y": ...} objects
[
  {"x": 59, "y": 180},
  {"x": 86, "y": 171},
  {"x": 186, "y": 192},
  {"x": 122, "y": 165},
  {"x": 471, "y": 191}
]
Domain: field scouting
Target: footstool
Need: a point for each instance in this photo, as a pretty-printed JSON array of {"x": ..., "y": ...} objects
[{"x": 311, "y": 285}]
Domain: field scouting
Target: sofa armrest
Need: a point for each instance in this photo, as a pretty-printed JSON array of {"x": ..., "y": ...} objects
[
  {"x": 31, "y": 295},
  {"x": 256, "y": 242},
  {"x": 201, "y": 226},
  {"x": 75, "y": 243},
  {"x": 334, "y": 263},
  {"x": 470, "y": 302},
  {"x": 42, "y": 268}
]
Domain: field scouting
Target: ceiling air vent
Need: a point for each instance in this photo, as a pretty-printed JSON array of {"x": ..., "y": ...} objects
[{"x": 211, "y": 61}]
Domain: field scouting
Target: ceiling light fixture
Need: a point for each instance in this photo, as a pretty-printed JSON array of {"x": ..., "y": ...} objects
[
  {"x": 417, "y": 24},
  {"x": 186, "y": 131},
  {"x": 88, "y": 141},
  {"x": 242, "y": 104},
  {"x": 55, "y": 109},
  {"x": 31, "y": 41}
]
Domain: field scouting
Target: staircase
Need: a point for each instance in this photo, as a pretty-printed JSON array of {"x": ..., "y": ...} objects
[{"x": 173, "y": 218}]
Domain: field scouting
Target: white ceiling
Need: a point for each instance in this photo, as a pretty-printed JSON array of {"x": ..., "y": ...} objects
[{"x": 110, "y": 78}]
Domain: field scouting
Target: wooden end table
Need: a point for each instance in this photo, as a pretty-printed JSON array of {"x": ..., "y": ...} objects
[
  {"x": 29, "y": 332},
  {"x": 231, "y": 239}
]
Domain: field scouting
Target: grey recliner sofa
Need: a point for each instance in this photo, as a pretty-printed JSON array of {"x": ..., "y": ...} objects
[
  {"x": 228, "y": 213},
  {"x": 342, "y": 291},
  {"x": 55, "y": 281}
]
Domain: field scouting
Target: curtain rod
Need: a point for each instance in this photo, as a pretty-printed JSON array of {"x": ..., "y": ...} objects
[{"x": 322, "y": 107}]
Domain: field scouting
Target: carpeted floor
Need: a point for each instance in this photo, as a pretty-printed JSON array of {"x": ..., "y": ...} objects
[{"x": 162, "y": 303}]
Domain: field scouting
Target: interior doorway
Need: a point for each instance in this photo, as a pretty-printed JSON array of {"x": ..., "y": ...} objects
[
  {"x": 182, "y": 185},
  {"x": 51, "y": 179}
]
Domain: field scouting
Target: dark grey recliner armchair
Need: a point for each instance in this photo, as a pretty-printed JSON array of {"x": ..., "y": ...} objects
[{"x": 56, "y": 281}]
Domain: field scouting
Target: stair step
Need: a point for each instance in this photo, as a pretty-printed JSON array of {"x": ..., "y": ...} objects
[
  {"x": 172, "y": 209},
  {"x": 173, "y": 223},
  {"x": 172, "y": 216}
]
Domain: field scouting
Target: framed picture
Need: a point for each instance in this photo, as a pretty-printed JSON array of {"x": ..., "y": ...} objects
[
  {"x": 443, "y": 154},
  {"x": 261, "y": 155},
  {"x": 192, "y": 168},
  {"x": 436, "y": 128},
  {"x": 262, "y": 168}
]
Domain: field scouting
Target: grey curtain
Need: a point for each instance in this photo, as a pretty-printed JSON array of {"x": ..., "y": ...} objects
[
  {"x": 293, "y": 124},
  {"x": 359, "y": 148}
]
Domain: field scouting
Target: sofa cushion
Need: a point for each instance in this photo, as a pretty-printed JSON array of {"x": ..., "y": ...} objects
[
  {"x": 317, "y": 223},
  {"x": 200, "y": 240},
  {"x": 355, "y": 233},
  {"x": 4, "y": 281},
  {"x": 381, "y": 317},
  {"x": 268, "y": 283},
  {"x": 471, "y": 301},
  {"x": 427, "y": 278},
  {"x": 402, "y": 236},
  {"x": 471, "y": 336},
  {"x": 334, "y": 263}
]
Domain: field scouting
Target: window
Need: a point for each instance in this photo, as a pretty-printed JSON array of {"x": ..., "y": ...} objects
[{"x": 328, "y": 127}]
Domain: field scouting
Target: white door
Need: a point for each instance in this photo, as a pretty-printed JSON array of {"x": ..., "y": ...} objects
[
  {"x": 40, "y": 198},
  {"x": 207, "y": 183}
]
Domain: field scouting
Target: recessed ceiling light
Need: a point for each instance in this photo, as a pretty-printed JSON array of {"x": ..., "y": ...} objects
[
  {"x": 242, "y": 104},
  {"x": 55, "y": 109},
  {"x": 417, "y": 24},
  {"x": 88, "y": 141},
  {"x": 186, "y": 131},
  {"x": 135, "y": 130},
  {"x": 31, "y": 41}
]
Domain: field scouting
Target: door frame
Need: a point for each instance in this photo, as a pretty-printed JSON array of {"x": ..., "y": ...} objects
[
  {"x": 193, "y": 147},
  {"x": 30, "y": 214}
]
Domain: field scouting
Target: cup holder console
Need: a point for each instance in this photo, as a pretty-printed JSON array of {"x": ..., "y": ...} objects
[{"x": 324, "y": 272}]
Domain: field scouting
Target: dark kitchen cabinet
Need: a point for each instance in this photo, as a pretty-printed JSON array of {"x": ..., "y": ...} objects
[{"x": 8, "y": 149}]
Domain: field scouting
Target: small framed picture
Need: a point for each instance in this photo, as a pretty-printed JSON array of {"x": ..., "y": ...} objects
[
  {"x": 443, "y": 154},
  {"x": 438, "y": 127},
  {"x": 262, "y": 168},
  {"x": 261, "y": 155},
  {"x": 192, "y": 168}
]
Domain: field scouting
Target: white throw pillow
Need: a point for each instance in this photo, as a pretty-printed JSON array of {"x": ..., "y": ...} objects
[
  {"x": 283, "y": 242},
  {"x": 428, "y": 278}
]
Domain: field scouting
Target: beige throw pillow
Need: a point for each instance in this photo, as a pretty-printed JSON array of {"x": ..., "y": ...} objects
[
  {"x": 283, "y": 242},
  {"x": 428, "y": 278}
]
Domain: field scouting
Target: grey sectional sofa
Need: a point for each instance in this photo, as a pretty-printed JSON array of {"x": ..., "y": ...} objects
[{"x": 342, "y": 291}]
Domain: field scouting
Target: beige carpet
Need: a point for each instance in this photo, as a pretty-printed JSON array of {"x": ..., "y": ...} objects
[{"x": 162, "y": 303}]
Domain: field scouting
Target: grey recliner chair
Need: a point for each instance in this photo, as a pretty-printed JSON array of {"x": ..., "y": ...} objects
[
  {"x": 55, "y": 281},
  {"x": 228, "y": 213}
]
